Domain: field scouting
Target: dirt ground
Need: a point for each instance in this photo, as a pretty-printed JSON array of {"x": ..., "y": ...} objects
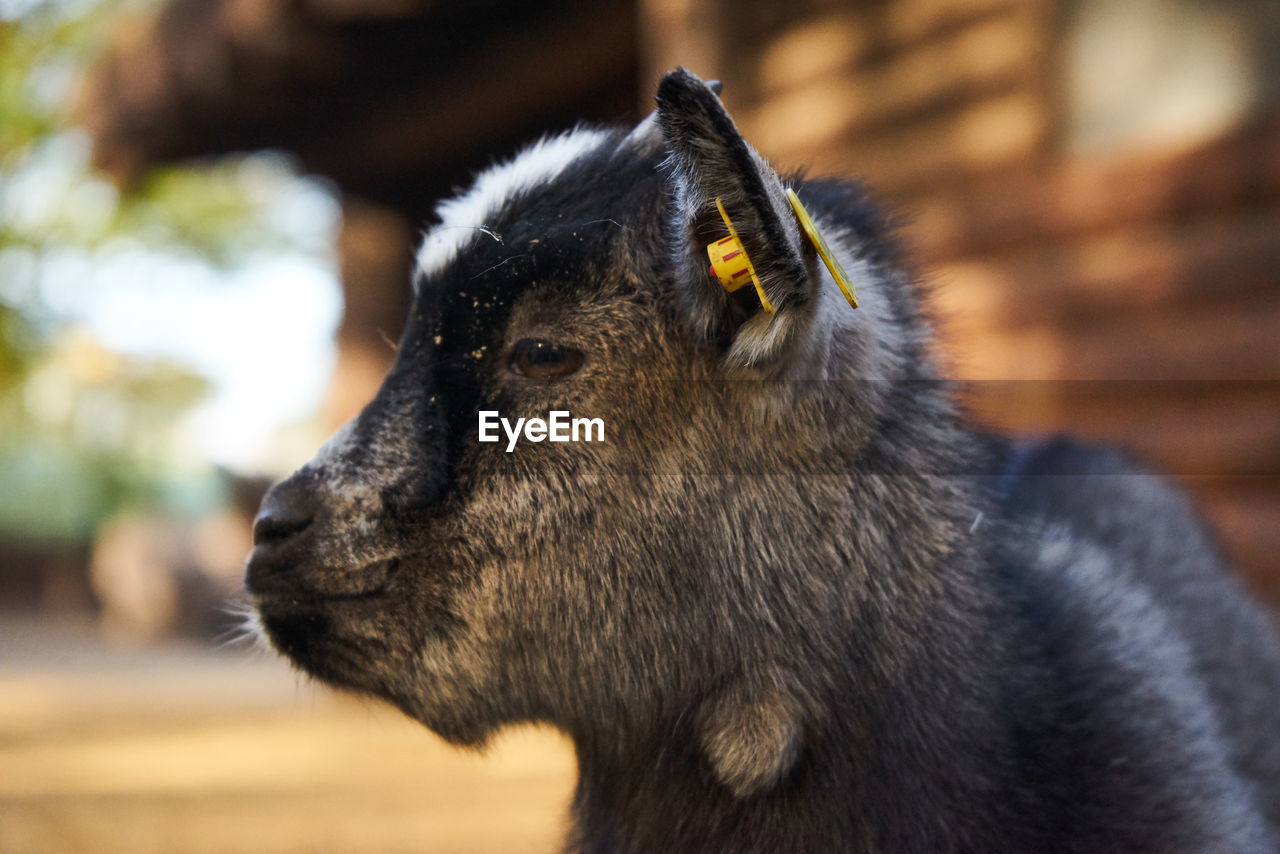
[{"x": 186, "y": 749}]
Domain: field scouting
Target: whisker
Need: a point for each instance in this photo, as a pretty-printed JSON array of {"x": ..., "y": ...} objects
[
  {"x": 499, "y": 264},
  {"x": 482, "y": 228},
  {"x": 248, "y": 632}
]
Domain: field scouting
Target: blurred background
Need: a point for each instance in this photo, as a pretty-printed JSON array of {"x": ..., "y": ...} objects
[{"x": 207, "y": 213}]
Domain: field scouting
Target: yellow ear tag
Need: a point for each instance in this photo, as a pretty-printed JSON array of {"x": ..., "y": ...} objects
[
  {"x": 730, "y": 264},
  {"x": 824, "y": 251}
]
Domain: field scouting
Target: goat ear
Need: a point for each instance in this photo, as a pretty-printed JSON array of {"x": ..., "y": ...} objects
[
  {"x": 647, "y": 134},
  {"x": 709, "y": 160},
  {"x": 751, "y": 738}
]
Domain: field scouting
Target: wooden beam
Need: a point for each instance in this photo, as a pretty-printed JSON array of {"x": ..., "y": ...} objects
[
  {"x": 398, "y": 102},
  {"x": 1005, "y": 208},
  {"x": 1127, "y": 271}
]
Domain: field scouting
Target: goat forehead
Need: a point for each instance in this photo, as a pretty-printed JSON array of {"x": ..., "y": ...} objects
[
  {"x": 569, "y": 234},
  {"x": 466, "y": 216}
]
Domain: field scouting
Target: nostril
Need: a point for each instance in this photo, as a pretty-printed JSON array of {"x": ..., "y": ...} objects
[
  {"x": 285, "y": 512},
  {"x": 271, "y": 528}
]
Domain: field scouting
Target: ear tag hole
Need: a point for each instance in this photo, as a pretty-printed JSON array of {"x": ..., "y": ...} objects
[
  {"x": 730, "y": 264},
  {"x": 824, "y": 251}
]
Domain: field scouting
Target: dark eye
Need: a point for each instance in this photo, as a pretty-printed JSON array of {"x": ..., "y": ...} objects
[{"x": 539, "y": 359}]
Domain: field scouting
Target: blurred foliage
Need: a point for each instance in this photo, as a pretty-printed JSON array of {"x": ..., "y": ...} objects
[
  {"x": 84, "y": 431},
  {"x": 87, "y": 432},
  {"x": 18, "y": 347}
]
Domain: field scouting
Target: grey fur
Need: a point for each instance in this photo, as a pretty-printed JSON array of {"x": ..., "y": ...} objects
[{"x": 762, "y": 609}]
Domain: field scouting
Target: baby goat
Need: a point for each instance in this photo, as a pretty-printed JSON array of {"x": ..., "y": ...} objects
[{"x": 792, "y": 602}]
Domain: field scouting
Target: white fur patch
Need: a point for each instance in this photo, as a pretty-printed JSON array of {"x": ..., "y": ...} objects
[{"x": 464, "y": 217}]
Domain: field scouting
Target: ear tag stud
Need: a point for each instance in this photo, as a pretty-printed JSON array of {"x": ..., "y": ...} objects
[
  {"x": 730, "y": 264},
  {"x": 824, "y": 251}
]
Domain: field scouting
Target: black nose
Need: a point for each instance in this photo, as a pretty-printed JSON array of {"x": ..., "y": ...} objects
[{"x": 287, "y": 509}]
